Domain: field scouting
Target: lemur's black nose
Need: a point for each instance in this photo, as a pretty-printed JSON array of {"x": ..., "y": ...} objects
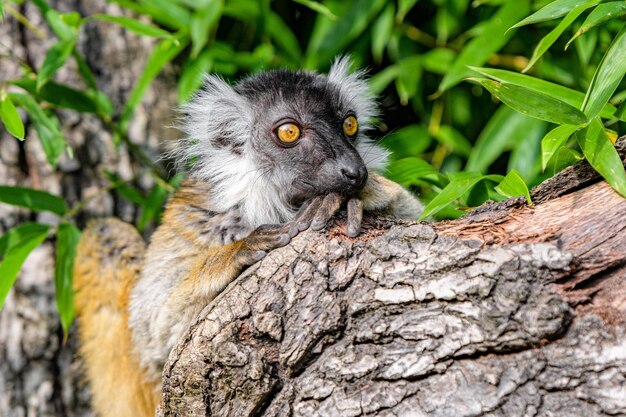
[{"x": 355, "y": 176}]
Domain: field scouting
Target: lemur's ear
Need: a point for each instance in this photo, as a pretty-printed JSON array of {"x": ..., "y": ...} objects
[
  {"x": 356, "y": 95},
  {"x": 218, "y": 116},
  {"x": 353, "y": 89}
]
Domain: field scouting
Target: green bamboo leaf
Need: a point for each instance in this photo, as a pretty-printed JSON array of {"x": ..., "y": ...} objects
[
  {"x": 163, "y": 53},
  {"x": 492, "y": 37},
  {"x": 68, "y": 236},
  {"x": 600, "y": 14},
  {"x": 317, "y": 7},
  {"x": 60, "y": 95},
  {"x": 202, "y": 22},
  {"x": 602, "y": 155},
  {"x": 607, "y": 77},
  {"x": 534, "y": 104},
  {"x": 32, "y": 199},
  {"x": 438, "y": 60},
  {"x": 553, "y": 141},
  {"x": 563, "y": 158},
  {"x": 152, "y": 208},
  {"x": 344, "y": 30},
  {"x": 513, "y": 185},
  {"x": 460, "y": 183},
  {"x": 193, "y": 74},
  {"x": 552, "y": 10},
  {"x": 505, "y": 128},
  {"x": 381, "y": 80},
  {"x": 47, "y": 127},
  {"x": 525, "y": 156},
  {"x": 381, "y": 32},
  {"x": 283, "y": 36},
  {"x": 412, "y": 140},
  {"x": 20, "y": 242},
  {"x": 133, "y": 25},
  {"x": 571, "y": 97},
  {"x": 547, "y": 41},
  {"x": 4, "y": 243},
  {"x": 10, "y": 117},
  {"x": 1, "y": 11},
  {"x": 59, "y": 25},
  {"x": 407, "y": 171},
  {"x": 454, "y": 139},
  {"x": 125, "y": 190},
  {"x": 404, "y": 6},
  {"x": 55, "y": 59},
  {"x": 243, "y": 10}
]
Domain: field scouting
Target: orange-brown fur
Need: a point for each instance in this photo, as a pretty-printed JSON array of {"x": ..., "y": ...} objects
[{"x": 109, "y": 259}]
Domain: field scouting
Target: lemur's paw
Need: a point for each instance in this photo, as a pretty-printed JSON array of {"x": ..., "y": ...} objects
[
  {"x": 326, "y": 211},
  {"x": 317, "y": 212}
]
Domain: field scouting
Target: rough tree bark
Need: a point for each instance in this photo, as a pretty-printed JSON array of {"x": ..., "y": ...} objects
[
  {"x": 39, "y": 375},
  {"x": 513, "y": 310}
]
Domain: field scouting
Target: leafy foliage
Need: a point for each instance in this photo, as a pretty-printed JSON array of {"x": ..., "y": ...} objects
[{"x": 521, "y": 117}]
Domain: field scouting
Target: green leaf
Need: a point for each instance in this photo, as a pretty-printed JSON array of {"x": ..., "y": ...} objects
[
  {"x": 607, "y": 77},
  {"x": 133, "y": 25},
  {"x": 381, "y": 80},
  {"x": 407, "y": 171},
  {"x": 600, "y": 14},
  {"x": 552, "y": 10},
  {"x": 125, "y": 190},
  {"x": 553, "y": 141},
  {"x": 412, "y": 140},
  {"x": 152, "y": 207},
  {"x": 21, "y": 241},
  {"x": 67, "y": 240},
  {"x": 60, "y": 95},
  {"x": 10, "y": 117},
  {"x": 602, "y": 155},
  {"x": 283, "y": 36},
  {"x": 505, "y": 128},
  {"x": 564, "y": 157},
  {"x": 460, "y": 183},
  {"x": 59, "y": 26},
  {"x": 571, "y": 97},
  {"x": 318, "y": 7},
  {"x": 163, "y": 53},
  {"x": 513, "y": 185},
  {"x": 492, "y": 37},
  {"x": 202, "y": 22},
  {"x": 47, "y": 127},
  {"x": 547, "y": 41},
  {"x": 438, "y": 60},
  {"x": 32, "y": 199},
  {"x": 55, "y": 58},
  {"x": 404, "y": 6},
  {"x": 343, "y": 31},
  {"x": 1, "y": 11},
  {"x": 452, "y": 138},
  {"x": 381, "y": 32},
  {"x": 534, "y": 104},
  {"x": 193, "y": 74}
]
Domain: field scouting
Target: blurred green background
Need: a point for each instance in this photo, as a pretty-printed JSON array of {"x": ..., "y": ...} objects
[{"x": 481, "y": 99}]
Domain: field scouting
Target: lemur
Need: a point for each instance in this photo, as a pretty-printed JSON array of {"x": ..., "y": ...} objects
[{"x": 268, "y": 158}]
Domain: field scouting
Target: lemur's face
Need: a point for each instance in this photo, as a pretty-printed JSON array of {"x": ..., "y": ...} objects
[
  {"x": 306, "y": 131},
  {"x": 280, "y": 137}
]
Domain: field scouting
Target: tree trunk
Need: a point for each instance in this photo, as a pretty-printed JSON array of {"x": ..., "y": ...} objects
[
  {"x": 39, "y": 375},
  {"x": 513, "y": 310}
]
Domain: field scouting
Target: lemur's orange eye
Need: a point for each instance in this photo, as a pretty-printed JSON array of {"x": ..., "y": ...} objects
[
  {"x": 350, "y": 126},
  {"x": 288, "y": 132}
]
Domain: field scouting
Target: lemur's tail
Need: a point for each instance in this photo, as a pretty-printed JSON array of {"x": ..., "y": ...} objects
[{"x": 108, "y": 262}]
